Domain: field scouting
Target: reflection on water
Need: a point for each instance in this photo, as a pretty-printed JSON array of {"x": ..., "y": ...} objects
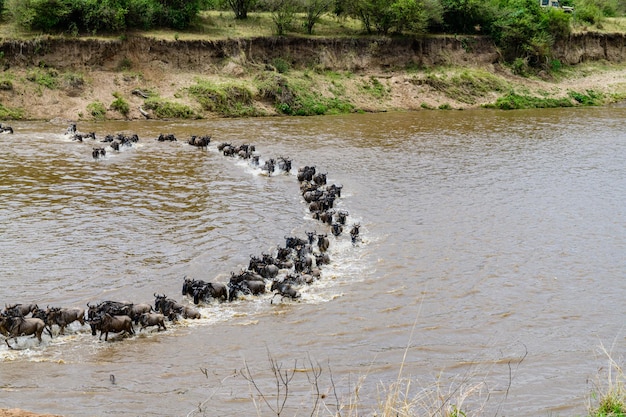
[{"x": 492, "y": 251}]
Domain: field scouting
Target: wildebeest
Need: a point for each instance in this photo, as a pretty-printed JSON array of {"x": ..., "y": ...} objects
[
  {"x": 200, "y": 141},
  {"x": 354, "y": 232},
  {"x": 334, "y": 189},
  {"x": 306, "y": 173},
  {"x": 98, "y": 153},
  {"x": 203, "y": 291},
  {"x": 188, "y": 312},
  {"x": 319, "y": 178},
  {"x": 285, "y": 290},
  {"x": 341, "y": 216},
  {"x": 292, "y": 242},
  {"x": 269, "y": 166},
  {"x": 108, "y": 323},
  {"x": 6, "y": 129},
  {"x": 136, "y": 310},
  {"x": 245, "y": 287},
  {"x": 168, "y": 307},
  {"x": 20, "y": 309},
  {"x": 114, "y": 308},
  {"x": 336, "y": 228},
  {"x": 166, "y": 138},
  {"x": 62, "y": 317},
  {"x": 80, "y": 136},
  {"x": 322, "y": 242},
  {"x": 284, "y": 164},
  {"x": 264, "y": 267},
  {"x": 152, "y": 319},
  {"x": 13, "y": 327}
]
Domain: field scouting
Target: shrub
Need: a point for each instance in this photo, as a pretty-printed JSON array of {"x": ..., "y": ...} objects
[
  {"x": 514, "y": 101},
  {"x": 587, "y": 11},
  {"x": 9, "y": 113},
  {"x": 230, "y": 100},
  {"x": 169, "y": 110},
  {"x": 44, "y": 15},
  {"x": 97, "y": 110},
  {"x": 120, "y": 105},
  {"x": 591, "y": 98},
  {"x": 44, "y": 77},
  {"x": 281, "y": 65},
  {"x": 299, "y": 97},
  {"x": 94, "y": 16}
]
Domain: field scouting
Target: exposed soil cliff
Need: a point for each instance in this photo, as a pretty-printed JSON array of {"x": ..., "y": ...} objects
[{"x": 103, "y": 67}]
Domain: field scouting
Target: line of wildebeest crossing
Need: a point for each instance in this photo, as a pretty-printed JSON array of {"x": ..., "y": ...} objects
[{"x": 285, "y": 272}]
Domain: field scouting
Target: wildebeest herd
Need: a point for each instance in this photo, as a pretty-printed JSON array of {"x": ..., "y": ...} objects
[{"x": 285, "y": 272}]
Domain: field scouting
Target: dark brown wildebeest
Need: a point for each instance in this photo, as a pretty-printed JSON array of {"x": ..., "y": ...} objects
[
  {"x": 106, "y": 323},
  {"x": 62, "y": 317},
  {"x": 13, "y": 327}
]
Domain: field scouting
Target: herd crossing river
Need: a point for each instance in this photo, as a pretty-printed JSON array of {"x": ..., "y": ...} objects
[{"x": 489, "y": 261}]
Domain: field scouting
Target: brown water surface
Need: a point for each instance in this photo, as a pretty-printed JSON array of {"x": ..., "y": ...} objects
[{"x": 492, "y": 256}]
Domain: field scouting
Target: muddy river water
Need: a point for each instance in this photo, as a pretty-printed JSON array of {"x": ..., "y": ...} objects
[{"x": 490, "y": 270}]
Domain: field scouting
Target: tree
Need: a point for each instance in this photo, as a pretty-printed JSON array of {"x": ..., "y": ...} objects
[
  {"x": 385, "y": 16},
  {"x": 465, "y": 16},
  {"x": 523, "y": 30},
  {"x": 241, "y": 7},
  {"x": 313, "y": 10},
  {"x": 283, "y": 14}
]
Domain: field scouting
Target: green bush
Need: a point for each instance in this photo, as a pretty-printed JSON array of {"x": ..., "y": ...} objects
[
  {"x": 591, "y": 98},
  {"x": 97, "y": 110},
  {"x": 48, "y": 78},
  {"x": 109, "y": 16},
  {"x": 299, "y": 98},
  {"x": 7, "y": 113},
  {"x": 513, "y": 101},
  {"x": 169, "y": 110},
  {"x": 120, "y": 105},
  {"x": 229, "y": 100},
  {"x": 588, "y": 11},
  {"x": 281, "y": 65},
  {"x": 44, "y": 15}
]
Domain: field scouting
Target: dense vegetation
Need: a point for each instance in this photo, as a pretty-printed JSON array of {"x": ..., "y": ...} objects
[{"x": 523, "y": 29}]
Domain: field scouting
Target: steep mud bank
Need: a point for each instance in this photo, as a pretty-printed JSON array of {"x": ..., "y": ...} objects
[{"x": 331, "y": 54}]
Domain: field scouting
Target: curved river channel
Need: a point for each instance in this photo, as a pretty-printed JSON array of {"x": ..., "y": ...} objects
[{"x": 489, "y": 274}]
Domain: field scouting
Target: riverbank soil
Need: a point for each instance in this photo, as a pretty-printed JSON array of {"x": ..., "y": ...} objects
[{"x": 70, "y": 79}]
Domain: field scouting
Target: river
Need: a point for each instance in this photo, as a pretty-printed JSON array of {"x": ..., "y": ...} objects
[{"x": 488, "y": 274}]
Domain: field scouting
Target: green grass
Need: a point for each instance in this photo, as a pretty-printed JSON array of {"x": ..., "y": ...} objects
[
  {"x": 465, "y": 86},
  {"x": 589, "y": 98},
  {"x": 165, "y": 109},
  {"x": 375, "y": 88},
  {"x": 97, "y": 110},
  {"x": 298, "y": 96},
  {"x": 513, "y": 101},
  {"x": 120, "y": 104},
  {"x": 45, "y": 77},
  {"x": 7, "y": 113},
  {"x": 609, "y": 396},
  {"x": 228, "y": 99}
]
